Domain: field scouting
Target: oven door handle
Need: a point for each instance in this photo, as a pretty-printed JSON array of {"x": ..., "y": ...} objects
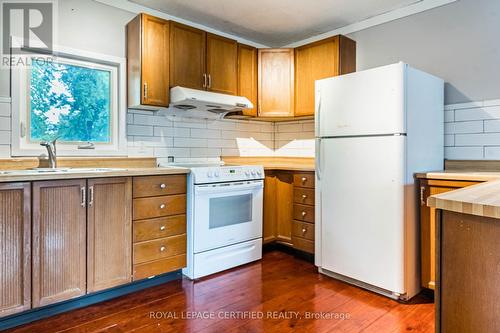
[{"x": 229, "y": 188}]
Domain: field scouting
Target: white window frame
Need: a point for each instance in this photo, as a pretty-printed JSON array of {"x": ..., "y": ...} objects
[{"x": 21, "y": 146}]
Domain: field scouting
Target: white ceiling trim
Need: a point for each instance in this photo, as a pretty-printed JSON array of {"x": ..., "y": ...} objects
[
  {"x": 412, "y": 9},
  {"x": 136, "y": 9}
]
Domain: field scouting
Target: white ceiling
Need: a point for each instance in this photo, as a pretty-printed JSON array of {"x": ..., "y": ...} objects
[{"x": 275, "y": 22}]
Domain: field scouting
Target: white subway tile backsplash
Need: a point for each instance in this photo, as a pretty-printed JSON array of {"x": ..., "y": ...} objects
[
  {"x": 140, "y": 130},
  {"x": 482, "y": 139},
  {"x": 492, "y": 112},
  {"x": 449, "y": 116},
  {"x": 4, "y": 123},
  {"x": 4, "y": 151},
  {"x": 463, "y": 153},
  {"x": 4, "y": 137},
  {"x": 449, "y": 140},
  {"x": 205, "y": 152},
  {"x": 464, "y": 127},
  {"x": 189, "y": 142},
  {"x": 205, "y": 133},
  {"x": 492, "y": 153},
  {"x": 492, "y": 126},
  {"x": 5, "y": 109}
]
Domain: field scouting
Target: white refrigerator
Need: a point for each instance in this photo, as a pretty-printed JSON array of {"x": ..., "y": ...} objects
[{"x": 374, "y": 130}]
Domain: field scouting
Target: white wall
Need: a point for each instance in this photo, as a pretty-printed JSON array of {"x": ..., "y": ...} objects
[{"x": 457, "y": 42}]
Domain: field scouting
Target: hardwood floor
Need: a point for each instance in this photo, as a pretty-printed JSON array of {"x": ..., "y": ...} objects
[{"x": 280, "y": 288}]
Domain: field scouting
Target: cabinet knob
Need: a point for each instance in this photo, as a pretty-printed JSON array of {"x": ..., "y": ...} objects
[
  {"x": 163, "y": 186},
  {"x": 304, "y": 214},
  {"x": 304, "y": 230},
  {"x": 162, "y": 206},
  {"x": 304, "y": 196},
  {"x": 162, "y": 249},
  {"x": 162, "y": 228},
  {"x": 304, "y": 179}
]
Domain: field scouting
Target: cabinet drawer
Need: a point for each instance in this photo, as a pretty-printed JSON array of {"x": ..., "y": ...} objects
[
  {"x": 158, "y": 267},
  {"x": 303, "y": 244},
  {"x": 303, "y": 180},
  {"x": 160, "y": 227},
  {"x": 303, "y": 213},
  {"x": 151, "y": 186},
  {"x": 146, "y": 208},
  {"x": 303, "y": 196},
  {"x": 159, "y": 248},
  {"x": 303, "y": 230}
]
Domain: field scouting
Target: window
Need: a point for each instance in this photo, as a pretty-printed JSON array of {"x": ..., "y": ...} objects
[
  {"x": 73, "y": 99},
  {"x": 72, "y": 103}
]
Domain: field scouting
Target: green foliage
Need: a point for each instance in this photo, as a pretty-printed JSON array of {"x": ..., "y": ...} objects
[{"x": 72, "y": 103}]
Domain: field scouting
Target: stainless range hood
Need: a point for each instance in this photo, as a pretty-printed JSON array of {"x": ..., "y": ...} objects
[{"x": 202, "y": 101}]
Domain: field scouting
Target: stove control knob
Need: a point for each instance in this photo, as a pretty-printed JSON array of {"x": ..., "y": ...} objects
[
  {"x": 216, "y": 174},
  {"x": 209, "y": 174},
  {"x": 259, "y": 173},
  {"x": 253, "y": 173},
  {"x": 247, "y": 173}
]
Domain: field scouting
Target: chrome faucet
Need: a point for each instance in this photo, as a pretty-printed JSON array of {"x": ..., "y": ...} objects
[{"x": 51, "y": 150}]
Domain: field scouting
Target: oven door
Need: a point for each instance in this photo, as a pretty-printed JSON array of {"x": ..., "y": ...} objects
[{"x": 227, "y": 213}]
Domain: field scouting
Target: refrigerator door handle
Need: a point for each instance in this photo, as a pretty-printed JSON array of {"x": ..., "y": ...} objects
[
  {"x": 318, "y": 113},
  {"x": 318, "y": 159}
]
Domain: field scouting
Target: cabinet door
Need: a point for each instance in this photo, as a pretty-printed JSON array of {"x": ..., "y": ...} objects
[
  {"x": 187, "y": 56},
  {"x": 276, "y": 84},
  {"x": 428, "y": 226},
  {"x": 269, "y": 229},
  {"x": 15, "y": 248},
  {"x": 222, "y": 64},
  {"x": 59, "y": 241},
  {"x": 155, "y": 62},
  {"x": 247, "y": 76},
  {"x": 284, "y": 207},
  {"x": 109, "y": 233},
  {"x": 313, "y": 62}
]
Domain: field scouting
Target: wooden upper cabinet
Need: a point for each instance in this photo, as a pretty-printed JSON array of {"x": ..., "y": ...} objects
[
  {"x": 326, "y": 58},
  {"x": 148, "y": 61},
  {"x": 247, "y": 76},
  {"x": 109, "y": 237},
  {"x": 59, "y": 241},
  {"x": 276, "y": 84},
  {"x": 222, "y": 64},
  {"x": 15, "y": 248},
  {"x": 187, "y": 56}
]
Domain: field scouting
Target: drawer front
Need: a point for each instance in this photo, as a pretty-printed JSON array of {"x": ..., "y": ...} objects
[
  {"x": 159, "y": 248},
  {"x": 303, "y": 196},
  {"x": 303, "y": 213},
  {"x": 303, "y": 244},
  {"x": 161, "y": 227},
  {"x": 147, "y": 208},
  {"x": 151, "y": 186},
  {"x": 303, "y": 180},
  {"x": 158, "y": 267},
  {"x": 303, "y": 230}
]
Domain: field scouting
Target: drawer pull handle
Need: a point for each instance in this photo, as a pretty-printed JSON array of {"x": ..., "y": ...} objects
[
  {"x": 304, "y": 179},
  {"x": 162, "y": 228},
  {"x": 304, "y": 230},
  {"x": 162, "y": 206},
  {"x": 163, "y": 186},
  {"x": 162, "y": 249},
  {"x": 304, "y": 214},
  {"x": 304, "y": 197}
]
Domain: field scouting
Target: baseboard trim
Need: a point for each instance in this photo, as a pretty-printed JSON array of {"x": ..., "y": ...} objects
[
  {"x": 277, "y": 246},
  {"x": 73, "y": 304}
]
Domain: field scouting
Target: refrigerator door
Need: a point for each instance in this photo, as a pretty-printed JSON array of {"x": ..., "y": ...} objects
[
  {"x": 362, "y": 209},
  {"x": 370, "y": 102}
]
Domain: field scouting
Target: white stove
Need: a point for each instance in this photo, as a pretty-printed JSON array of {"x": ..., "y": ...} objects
[{"x": 224, "y": 228}]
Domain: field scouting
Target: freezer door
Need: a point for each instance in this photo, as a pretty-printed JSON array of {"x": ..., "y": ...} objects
[
  {"x": 362, "y": 103},
  {"x": 362, "y": 209}
]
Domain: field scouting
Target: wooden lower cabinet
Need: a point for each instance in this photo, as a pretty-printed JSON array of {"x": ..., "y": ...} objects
[
  {"x": 159, "y": 226},
  {"x": 109, "y": 233},
  {"x": 430, "y": 187},
  {"x": 15, "y": 248},
  {"x": 59, "y": 241},
  {"x": 289, "y": 209}
]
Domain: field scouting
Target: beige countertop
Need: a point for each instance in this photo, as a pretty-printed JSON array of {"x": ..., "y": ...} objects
[
  {"x": 26, "y": 175},
  {"x": 460, "y": 175},
  {"x": 481, "y": 200},
  {"x": 274, "y": 163}
]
